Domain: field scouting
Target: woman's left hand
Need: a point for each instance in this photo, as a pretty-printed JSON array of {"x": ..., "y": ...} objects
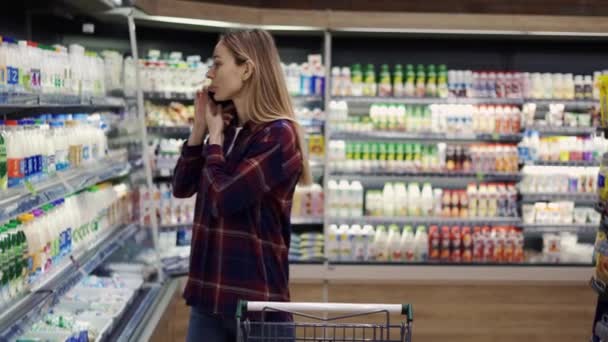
[{"x": 215, "y": 124}]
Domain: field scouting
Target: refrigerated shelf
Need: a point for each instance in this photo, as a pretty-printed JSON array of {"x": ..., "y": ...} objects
[
  {"x": 459, "y": 178},
  {"x": 18, "y": 316},
  {"x": 585, "y": 228},
  {"x": 373, "y": 220},
  {"x": 435, "y": 137},
  {"x": 18, "y": 200},
  {"x": 26, "y": 105},
  {"x": 579, "y": 198},
  {"x": 364, "y": 100},
  {"x": 581, "y": 104},
  {"x": 172, "y": 131},
  {"x": 563, "y": 163},
  {"x": 562, "y": 131}
]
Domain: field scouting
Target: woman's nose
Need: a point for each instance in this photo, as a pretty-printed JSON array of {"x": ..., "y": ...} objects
[{"x": 210, "y": 73}]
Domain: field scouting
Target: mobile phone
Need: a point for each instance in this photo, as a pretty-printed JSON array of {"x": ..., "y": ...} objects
[{"x": 223, "y": 103}]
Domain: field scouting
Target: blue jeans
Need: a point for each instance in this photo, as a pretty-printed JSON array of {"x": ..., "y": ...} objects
[{"x": 205, "y": 327}]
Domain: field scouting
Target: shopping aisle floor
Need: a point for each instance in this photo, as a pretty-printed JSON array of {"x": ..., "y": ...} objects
[{"x": 458, "y": 313}]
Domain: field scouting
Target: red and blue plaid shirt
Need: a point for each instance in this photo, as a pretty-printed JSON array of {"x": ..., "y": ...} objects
[{"x": 241, "y": 231}]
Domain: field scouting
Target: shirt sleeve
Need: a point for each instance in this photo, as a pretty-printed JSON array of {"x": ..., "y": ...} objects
[
  {"x": 271, "y": 159},
  {"x": 188, "y": 171}
]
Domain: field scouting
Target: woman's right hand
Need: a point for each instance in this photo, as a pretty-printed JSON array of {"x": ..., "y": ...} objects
[{"x": 201, "y": 106}]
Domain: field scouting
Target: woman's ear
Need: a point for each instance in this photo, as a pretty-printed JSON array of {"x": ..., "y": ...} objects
[{"x": 248, "y": 70}]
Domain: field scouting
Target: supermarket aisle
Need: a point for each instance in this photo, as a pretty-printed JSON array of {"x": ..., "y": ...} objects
[{"x": 457, "y": 313}]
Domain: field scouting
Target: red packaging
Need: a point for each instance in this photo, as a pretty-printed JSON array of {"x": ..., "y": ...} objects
[
  {"x": 488, "y": 244},
  {"x": 434, "y": 243},
  {"x": 499, "y": 237},
  {"x": 456, "y": 242},
  {"x": 445, "y": 244},
  {"x": 477, "y": 245},
  {"x": 518, "y": 254},
  {"x": 510, "y": 243}
]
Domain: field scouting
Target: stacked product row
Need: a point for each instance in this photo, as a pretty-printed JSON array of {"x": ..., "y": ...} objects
[
  {"x": 398, "y": 200},
  {"x": 34, "y": 243}
]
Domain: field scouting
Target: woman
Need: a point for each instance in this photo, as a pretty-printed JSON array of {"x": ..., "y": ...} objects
[{"x": 244, "y": 177}]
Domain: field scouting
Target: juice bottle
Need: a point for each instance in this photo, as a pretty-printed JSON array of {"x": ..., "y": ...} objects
[
  {"x": 370, "y": 86},
  {"x": 385, "y": 88},
  {"x": 467, "y": 245},
  {"x": 357, "y": 80},
  {"x": 420, "y": 81},
  {"x": 434, "y": 243},
  {"x": 456, "y": 245},
  {"x": 445, "y": 253},
  {"x": 410, "y": 85},
  {"x": 431, "y": 83},
  {"x": 398, "y": 90}
]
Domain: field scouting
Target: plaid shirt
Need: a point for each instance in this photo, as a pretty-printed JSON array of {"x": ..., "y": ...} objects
[{"x": 241, "y": 232}]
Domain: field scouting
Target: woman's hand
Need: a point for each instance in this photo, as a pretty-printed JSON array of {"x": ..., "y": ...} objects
[
  {"x": 201, "y": 106},
  {"x": 214, "y": 118}
]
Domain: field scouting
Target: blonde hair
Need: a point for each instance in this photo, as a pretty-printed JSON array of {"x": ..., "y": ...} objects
[{"x": 268, "y": 99}]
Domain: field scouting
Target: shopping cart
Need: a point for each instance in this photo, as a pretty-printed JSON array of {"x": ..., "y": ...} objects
[{"x": 323, "y": 329}]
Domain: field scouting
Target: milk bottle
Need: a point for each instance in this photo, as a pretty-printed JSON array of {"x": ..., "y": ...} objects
[
  {"x": 407, "y": 244},
  {"x": 333, "y": 244},
  {"x": 368, "y": 240},
  {"x": 388, "y": 199},
  {"x": 413, "y": 199},
  {"x": 359, "y": 247},
  {"x": 401, "y": 203},
  {"x": 426, "y": 203},
  {"x": 332, "y": 198},
  {"x": 344, "y": 204},
  {"x": 394, "y": 240},
  {"x": 421, "y": 242},
  {"x": 380, "y": 244},
  {"x": 345, "y": 241},
  {"x": 356, "y": 201}
]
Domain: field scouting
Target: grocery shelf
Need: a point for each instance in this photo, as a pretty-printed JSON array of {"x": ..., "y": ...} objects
[
  {"x": 445, "y": 274},
  {"x": 585, "y": 228},
  {"x": 582, "y": 104},
  {"x": 15, "y": 319},
  {"x": 424, "y": 100},
  {"x": 304, "y": 99},
  {"x": 579, "y": 198},
  {"x": 515, "y": 221},
  {"x": 168, "y": 96},
  {"x": 447, "y": 178},
  {"x": 32, "y": 104},
  {"x": 405, "y": 136},
  {"x": 562, "y": 131},
  {"x": 316, "y": 220},
  {"x": 146, "y": 311},
  {"x": 18, "y": 200},
  {"x": 563, "y": 163},
  {"x": 454, "y": 264},
  {"x": 173, "y": 131}
]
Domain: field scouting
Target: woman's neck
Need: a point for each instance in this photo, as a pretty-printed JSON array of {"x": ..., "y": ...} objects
[{"x": 239, "y": 104}]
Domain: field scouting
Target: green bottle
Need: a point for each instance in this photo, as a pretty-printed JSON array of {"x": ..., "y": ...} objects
[
  {"x": 420, "y": 81},
  {"x": 409, "y": 163},
  {"x": 431, "y": 82},
  {"x": 385, "y": 88},
  {"x": 356, "y": 80},
  {"x": 410, "y": 85},
  {"x": 398, "y": 81},
  {"x": 382, "y": 156},
  {"x": 369, "y": 87},
  {"x": 374, "y": 156}
]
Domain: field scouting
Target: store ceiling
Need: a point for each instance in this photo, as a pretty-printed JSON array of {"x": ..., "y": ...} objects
[{"x": 540, "y": 7}]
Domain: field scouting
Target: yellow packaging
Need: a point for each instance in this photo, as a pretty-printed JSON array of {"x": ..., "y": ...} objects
[
  {"x": 603, "y": 85},
  {"x": 316, "y": 146}
]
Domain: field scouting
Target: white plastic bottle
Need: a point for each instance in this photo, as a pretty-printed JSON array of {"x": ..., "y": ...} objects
[
  {"x": 388, "y": 199},
  {"x": 380, "y": 244},
  {"x": 356, "y": 193},
  {"x": 426, "y": 200},
  {"x": 421, "y": 241},
  {"x": 368, "y": 240},
  {"x": 413, "y": 199},
  {"x": 357, "y": 237},
  {"x": 343, "y": 198},
  {"x": 401, "y": 203},
  {"x": 332, "y": 198},
  {"x": 394, "y": 243},
  {"x": 346, "y": 246},
  {"x": 407, "y": 244}
]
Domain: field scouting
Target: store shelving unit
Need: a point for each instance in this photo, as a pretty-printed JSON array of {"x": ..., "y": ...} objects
[
  {"x": 579, "y": 198},
  {"x": 374, "y": 220},
  {"x": 562, "y": 131},
  {"x": 459, "y": 178},
  {"x": 38, "y": 104},
  {"x": 368, "y": 100},
  {"x": 405, "y": 136},
  {"x": 564, "y": 163},
  {"x": 18, "y": 316}
]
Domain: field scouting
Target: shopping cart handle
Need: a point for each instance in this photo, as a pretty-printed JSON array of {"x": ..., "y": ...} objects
[{"x": 402, "y": 309}]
